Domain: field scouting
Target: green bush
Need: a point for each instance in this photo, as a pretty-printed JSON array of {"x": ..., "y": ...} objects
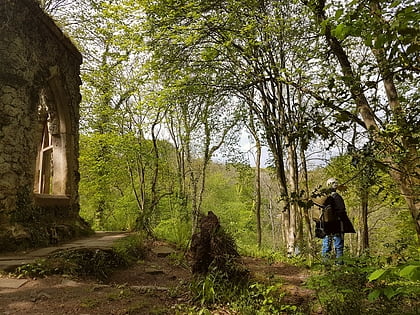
[
  {"x": 175, "y": 231},
  {"x": 359, "y": 287},
  {"x": 131, "y": 247},
  {"x": 340, "y": 290},
  {"x": 241, "y": 296},
  {"x": 397, "y": 287}
]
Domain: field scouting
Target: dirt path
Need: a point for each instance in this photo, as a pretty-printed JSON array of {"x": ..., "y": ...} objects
[{"x": 152, "y": 286}]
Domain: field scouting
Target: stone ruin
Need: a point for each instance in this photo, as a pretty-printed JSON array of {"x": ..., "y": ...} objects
[{"x": 39, "y": 125}]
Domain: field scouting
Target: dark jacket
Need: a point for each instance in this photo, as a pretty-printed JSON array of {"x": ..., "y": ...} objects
[{"x": 342, "y": 224}]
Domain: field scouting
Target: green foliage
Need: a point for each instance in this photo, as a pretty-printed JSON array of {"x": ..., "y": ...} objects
[
  {"x": 244, "y": 297},
  {"x": 100, "y": 183},
  {"x": 174, "y": 230},
  {"x": 394, "y": 282},
  {"x": 401, "y": 250},
  {"x": 131, "y": 248},
  {"x": 340, "y": 290},
  {"x": 229, "y": 194},
  {"x": 358, "y": 287},
  {"x": 36, "y": 269},
  {"x": 117, "y": 178}
]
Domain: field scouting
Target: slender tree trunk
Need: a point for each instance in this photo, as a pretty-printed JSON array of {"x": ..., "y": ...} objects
[
  {"x": 154, "y": 198},
  {"x": 307, "y": 197},
  {"x": 288, "y": 234},
  {"x": 364, "y": 233},
  {"x": 134, "y": 189},
  {"x": 295, "y": 227},
  {"x": 195, "y": 213},
  {"x": 253, "y": 131},
  {"x": 258, "y": 191},
  {"x": 272, "y": 222},
  {"x": 181, "y": 191}
]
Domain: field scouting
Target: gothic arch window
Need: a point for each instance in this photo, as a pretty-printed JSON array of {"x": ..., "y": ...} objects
[{"x": 51, "y": 162}]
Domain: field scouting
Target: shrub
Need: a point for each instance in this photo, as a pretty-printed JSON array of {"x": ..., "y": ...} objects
[{"x": 360, "y": 288}]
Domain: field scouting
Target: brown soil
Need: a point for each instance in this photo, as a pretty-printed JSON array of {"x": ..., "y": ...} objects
[{"x": 155, "y": 285}]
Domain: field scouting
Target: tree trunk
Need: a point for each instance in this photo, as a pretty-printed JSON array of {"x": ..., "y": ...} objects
[
  {"x": 404, "y": 172},
  {"x": 253, "y": 131},
  {"x": 410, "y": 189},
  {"x": 272, "y": 222},
  {"x": 307, "y": 197},
  {"x": 287, "y": 217},
  {"x": 364, "y": 231},
  {"x": 258, "y": 191},
  {"x": 295, "y": 227}
]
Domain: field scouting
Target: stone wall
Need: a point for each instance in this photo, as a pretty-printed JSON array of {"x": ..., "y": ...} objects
[{"x": 39, "y": 78}]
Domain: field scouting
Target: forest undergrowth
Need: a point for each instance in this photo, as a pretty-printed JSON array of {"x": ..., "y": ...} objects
[{"x": 130, "y": 279}]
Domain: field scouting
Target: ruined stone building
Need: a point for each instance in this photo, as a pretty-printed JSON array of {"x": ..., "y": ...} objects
[{"x": 39, "y": 124}]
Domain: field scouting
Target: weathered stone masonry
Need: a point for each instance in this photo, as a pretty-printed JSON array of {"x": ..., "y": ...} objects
[{"x": 39, "y": 124}]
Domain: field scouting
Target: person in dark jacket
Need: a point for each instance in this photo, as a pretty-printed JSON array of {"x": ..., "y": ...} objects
[{"x": 338, "y": 225}]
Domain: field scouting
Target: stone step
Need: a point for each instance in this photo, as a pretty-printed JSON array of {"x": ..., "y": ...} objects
[{"x": 163, "y": 251}]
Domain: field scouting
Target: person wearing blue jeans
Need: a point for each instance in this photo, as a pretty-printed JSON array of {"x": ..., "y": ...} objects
[
  {"x": 330, "y": 241},
  {"x": 337, "y": 226}
]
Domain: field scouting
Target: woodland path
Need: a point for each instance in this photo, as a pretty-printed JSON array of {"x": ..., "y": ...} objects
[{"x": 155, "y": 285}]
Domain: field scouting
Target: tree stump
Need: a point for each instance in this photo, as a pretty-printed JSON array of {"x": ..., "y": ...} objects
[{"x": 211, "y": 247}]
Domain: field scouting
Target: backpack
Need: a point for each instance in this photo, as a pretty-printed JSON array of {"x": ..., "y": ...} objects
[
  {"x": 327, "y": 215},
  {"x": 320, "y": 232}
]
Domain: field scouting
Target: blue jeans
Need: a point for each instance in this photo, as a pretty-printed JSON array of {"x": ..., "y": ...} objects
[{"x": 328, "y": 241}]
